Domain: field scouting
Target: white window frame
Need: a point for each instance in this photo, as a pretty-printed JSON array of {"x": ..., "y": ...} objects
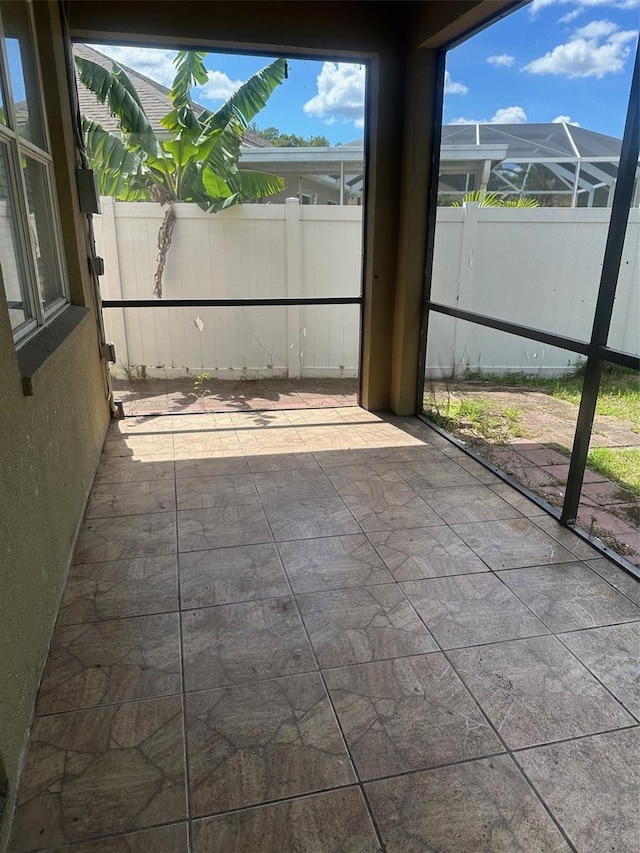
[{"x": 16, "y": 146}]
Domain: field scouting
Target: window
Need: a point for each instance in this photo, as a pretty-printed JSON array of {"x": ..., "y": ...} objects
[{"x": 30, "y": 254}]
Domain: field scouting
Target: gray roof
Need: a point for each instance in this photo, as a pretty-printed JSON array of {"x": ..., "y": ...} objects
[
  {"x": 530, "y": 140},
  {"x": 154, "y": 97},
  {"x": 548, "y": 141}
]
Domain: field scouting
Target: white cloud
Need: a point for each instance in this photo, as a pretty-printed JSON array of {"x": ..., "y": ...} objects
[
  {"x": 537, "y": 5},
  {"x": 340, "y": 94},
  {"x": 501, "y": 60},
  {"x": 505, "y": 115},
  {"x": 570, "y": 16},
  {"x": 597, "y": 30},
  {"x": 509, "y": 115},
  {"x": 594, "y": 50},
  {"x": 564, "y": 120},
  {"x": 453, "y": 88},
  {"x": 219, "y": 86},
  {"x": 153, "y": 62}
]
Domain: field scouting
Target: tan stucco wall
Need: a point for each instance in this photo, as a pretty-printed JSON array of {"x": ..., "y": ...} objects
[{"x": 49, "y": 447}]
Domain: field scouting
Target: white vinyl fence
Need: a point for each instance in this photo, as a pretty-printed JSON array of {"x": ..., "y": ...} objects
[
  {"x": 254, "y": 251},
  {"x": 536, "y": 267}
]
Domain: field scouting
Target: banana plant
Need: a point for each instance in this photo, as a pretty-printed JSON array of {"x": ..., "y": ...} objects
[
  {"x": 195, "y": 161},
  {"x": 487, "y": 199}
]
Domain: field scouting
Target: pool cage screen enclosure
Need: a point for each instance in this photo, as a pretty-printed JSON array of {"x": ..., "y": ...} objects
[{"x": 595, "y": 351}]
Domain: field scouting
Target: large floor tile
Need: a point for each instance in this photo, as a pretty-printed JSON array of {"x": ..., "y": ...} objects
[
  {"x": 138, "y": 446},
  {"x": 218, "y": 490},
  {"x": 103, "y": 539},
  {"x": 318, "y": 823},
  {"x": 426, "y": 552},
  {"x": 317, "y": 439},
  {"x": 290, "y": 485},
  {"x": 468, "y": 503},
  {"x": 115, "y": 499},
  {"x": 227, "y": 575},
  {"x": 521, "y": 502},
  {"x": 164, "y": 839},
  {"x": 580, "y": 549},
  {"x": 97, "y": 591},
  {"x": 612, "y": 654},
  {"x": 357, "y": 457},
  {"x": 248, "y": 744},
  {"x": 534, "y": 691},
  {"x": 367, "y": 623},
  {"x": 358, "y": 479},
  {"x": 243, "y": 642},
  {"x": 130, "y": 470},
  {"x": 392, "y": 511},
  {"x": 468, "y": 609},
  {"x": 483, "y": 806},
  {"x": 617, "y": 577},
  {"x": 188, "y": 443},
  {"x": 107, "y": 770},
  {"x": 569, "y": 596},
  {"x": 480, "y": 472},
  {"x": 407, "y": 714},
  {"x": 310, "y": 518},
  {"x": 263, "y": 463},
  {"x": 377, "y": 490},
  {"x": 512, "y": 543},
  {"x": 333, "y": 562},
  {"x": 222, "y": 527},
  {"x": 100, "y": 663},
  {"x": 218, "y": 464},
  {"x": 591, "y": 785},
  {"x": 434, "y": 475}
]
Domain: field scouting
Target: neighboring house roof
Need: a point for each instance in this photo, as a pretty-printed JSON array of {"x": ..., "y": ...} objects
[{"x": 154, "y": 97}]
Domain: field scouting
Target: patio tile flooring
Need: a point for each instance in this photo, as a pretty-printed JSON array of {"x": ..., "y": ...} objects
[{"x": 350, "y": 639}]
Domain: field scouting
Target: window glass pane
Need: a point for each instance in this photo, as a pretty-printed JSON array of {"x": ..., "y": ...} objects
[
  {"x": 42, "y": 232},
  {"x": 13, "y": 272},
  {"x": 23, "y": 78}
]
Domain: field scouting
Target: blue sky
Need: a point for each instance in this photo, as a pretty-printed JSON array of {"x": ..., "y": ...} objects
[{"x": 563, "y": 60}]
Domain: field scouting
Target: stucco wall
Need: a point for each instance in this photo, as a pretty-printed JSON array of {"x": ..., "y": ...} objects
[{"x": 49, "y": 448}]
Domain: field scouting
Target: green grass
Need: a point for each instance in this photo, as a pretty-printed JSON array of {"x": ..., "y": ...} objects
[
  {"x": 620, "y": 465},
  {"x": 475, "y": 418},
  {"x": 619, "y": 394}
]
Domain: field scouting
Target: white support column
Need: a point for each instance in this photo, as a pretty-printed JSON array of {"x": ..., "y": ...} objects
[
  {"x": 576, "y": 184},
  {"x": 342, "y": 182},
  {"x": 293, "y": 249}
]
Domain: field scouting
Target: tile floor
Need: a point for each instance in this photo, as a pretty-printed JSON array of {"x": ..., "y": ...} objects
[{"x": 323, "y": 631}]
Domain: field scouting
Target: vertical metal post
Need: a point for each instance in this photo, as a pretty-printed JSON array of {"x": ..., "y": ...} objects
[
  {"x": 622, "y": 199},
  {"x": 342, "y": 182},
  {"x": 432, "y": 208}
]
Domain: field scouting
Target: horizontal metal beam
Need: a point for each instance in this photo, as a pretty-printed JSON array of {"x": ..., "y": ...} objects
[
  {"x": 512, "y": 328},
  {"x": 227, "y": 303},
  {"x": 617, "y": 357}
]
